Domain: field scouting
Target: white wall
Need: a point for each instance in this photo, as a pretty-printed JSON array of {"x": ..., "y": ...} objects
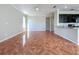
[
  {"x": 67, "y": 33},
  {"x": 52, "y": 22},
  {"x": 10, "y": 21},
  {"x": 69, "y": 12},
  {"x": 37, "y": 23}
]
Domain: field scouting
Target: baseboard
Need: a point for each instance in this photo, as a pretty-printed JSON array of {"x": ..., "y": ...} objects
[{"x": 10, "y": 36}]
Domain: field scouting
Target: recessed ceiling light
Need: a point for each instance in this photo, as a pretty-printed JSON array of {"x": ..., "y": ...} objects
[
  {"x": 37, "y": 9},
  {"x": 65, "y": 7}
]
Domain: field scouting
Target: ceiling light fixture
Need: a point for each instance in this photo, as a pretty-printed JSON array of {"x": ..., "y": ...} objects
[
  {"x": 65, "y": 7},
  {"x": 37, "y": 9}
]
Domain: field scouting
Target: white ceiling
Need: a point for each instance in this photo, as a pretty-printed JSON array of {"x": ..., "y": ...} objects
[{"x": 44, "y": 9}]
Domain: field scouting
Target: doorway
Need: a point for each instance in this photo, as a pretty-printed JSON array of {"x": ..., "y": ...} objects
[{"x": 50, "y": 23}]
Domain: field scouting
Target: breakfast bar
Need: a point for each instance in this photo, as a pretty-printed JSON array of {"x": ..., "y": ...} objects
[{"x": 71, "y": 34}]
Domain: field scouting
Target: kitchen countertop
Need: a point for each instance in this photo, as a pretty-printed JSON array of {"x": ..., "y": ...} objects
[{"x": 74, "y": 27}]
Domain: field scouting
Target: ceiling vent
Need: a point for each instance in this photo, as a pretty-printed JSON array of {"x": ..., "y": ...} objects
[
  {"x": 72, "y": 9},
  {"x": 54, "y": 6}
]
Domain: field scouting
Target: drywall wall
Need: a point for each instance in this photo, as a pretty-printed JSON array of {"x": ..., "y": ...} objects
[
  {"x": 69, "y": 12},
  {"x": 67, "y": 33},
  {"x": 36, "y": 23},
  {"x": 52, "y": 22},
  {"x": 10, "y": 21}
]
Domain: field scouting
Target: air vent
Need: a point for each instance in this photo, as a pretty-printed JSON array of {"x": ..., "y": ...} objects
[
  {"x": 54, "y": 6},
  {"x": 72, "y": 9}
]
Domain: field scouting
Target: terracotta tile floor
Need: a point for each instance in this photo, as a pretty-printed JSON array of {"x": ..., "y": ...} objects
[{"x": 38, "y": 43}]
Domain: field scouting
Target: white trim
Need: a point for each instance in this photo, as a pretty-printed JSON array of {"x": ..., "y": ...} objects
[{"x": 10, "y": 37}]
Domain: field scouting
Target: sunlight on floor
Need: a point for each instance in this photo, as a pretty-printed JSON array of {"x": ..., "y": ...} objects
[
  {"x": 24, "y": 29},
  {"x": 28, "y": 30}
]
